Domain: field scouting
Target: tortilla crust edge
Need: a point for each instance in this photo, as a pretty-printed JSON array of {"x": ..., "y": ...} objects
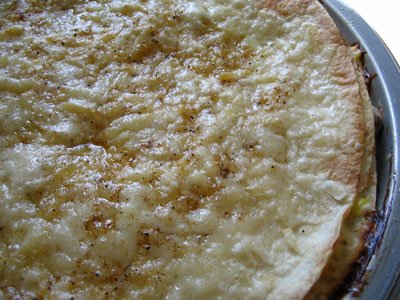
[{"x": 349, "y": 164}]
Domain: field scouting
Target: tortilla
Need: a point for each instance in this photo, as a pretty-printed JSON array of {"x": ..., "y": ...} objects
[
  {"x": 361, "y": 221},
  {"x": 179, "y": 150}
]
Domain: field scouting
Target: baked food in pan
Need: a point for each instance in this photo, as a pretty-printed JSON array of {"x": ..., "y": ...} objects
[{"x": 177, "y": 149}]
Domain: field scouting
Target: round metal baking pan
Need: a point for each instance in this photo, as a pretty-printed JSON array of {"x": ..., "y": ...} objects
[{"x": 382, "y": 273}]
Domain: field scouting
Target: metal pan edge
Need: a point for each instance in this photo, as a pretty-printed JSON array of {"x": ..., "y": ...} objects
[{"x": 383, "y": 270}]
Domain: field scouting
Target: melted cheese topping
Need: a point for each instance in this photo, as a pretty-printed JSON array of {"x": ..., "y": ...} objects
[{"x": 164, "y": 149}]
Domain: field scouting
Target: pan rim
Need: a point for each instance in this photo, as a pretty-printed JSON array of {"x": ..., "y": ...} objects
[{"x": 382, "y": 273}]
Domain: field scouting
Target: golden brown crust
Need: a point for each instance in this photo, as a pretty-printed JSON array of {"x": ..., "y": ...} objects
[
  {"x": 346, "y": 168},
  {"x": 328, "y": 32},
  {"x": 357, "y": 225},
  {"x": 286, "y": 8}
]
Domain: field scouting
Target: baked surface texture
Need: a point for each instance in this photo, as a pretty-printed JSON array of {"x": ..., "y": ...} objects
[
  {"x": 360, "y": 221},
  {"x": 174, "y": 149}
]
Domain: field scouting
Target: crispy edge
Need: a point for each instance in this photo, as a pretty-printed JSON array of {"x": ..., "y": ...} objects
[
  {"x": 328, "y": 33},
  {"x": 347, "y": 167},
  {"x": 347, "y": 251}
]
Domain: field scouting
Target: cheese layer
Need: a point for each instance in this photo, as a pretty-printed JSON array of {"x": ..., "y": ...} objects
[{"x": 167, "y": 149}]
